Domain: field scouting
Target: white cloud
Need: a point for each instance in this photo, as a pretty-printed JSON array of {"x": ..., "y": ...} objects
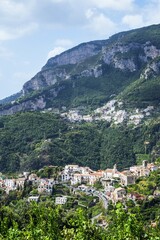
[
  {"x": 89, "y": 13},
  {"x": 99, "y": 23},
  {"x": 61, "y": 45},
  {"x": 151, "y": 12},
  {"x": 5, "y": 53},
  {"x": 16, "y": 18},
  {"x": 143, "y": 15},
  {"x": 119, "y": 5},
  {"x": 7, "y": 33},
  {"x": 133, "y": 21},
  {"x": 55, "y": 51},
  {"x": 14, "y": 11}
]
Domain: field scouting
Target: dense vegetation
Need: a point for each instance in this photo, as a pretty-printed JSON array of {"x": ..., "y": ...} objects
[
  {"x": 141, "y": 35},
  {"x": 32, "y": 140},
  {"x": 142, "y": 93},
  {"x": 44, "y": 220}
]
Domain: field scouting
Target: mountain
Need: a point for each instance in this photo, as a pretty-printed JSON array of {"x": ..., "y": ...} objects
[
  {"x": 107, "y": 90},
  {"x": 90, "y": 74}
]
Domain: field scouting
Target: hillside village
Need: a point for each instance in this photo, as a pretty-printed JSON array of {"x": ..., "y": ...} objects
[
  {"x": 79, "y": 178},
  {"x": 113, "y": 111}
]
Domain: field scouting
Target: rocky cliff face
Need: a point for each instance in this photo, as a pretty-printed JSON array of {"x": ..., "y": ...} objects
[
  {"x": 30, "y": 105},
  {"x": 44, "y": 79},
  {"x": 152, "y": 69},
  {"x": 126, "y": 57},
  {"x": 76, "y": 55},
  {"x": 91, "y": 61},
  {"x": 55, "y": 68}
]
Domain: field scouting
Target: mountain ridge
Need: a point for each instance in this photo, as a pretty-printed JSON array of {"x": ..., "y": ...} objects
[{"x": 89, "y": 74}]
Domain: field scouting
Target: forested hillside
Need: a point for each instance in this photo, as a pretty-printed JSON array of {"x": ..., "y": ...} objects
[{"x": 32, "y": 140}]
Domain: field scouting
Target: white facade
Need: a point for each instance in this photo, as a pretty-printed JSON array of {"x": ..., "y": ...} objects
[
  {"x": 10, "y": 184},
  {"x": 71, "y": 168},
  {"x": 65, "y": 177},
  {"x": 60, "y": 200},
  {"x": 46, "y": 186},
  {"x": 33, "y": 199}
]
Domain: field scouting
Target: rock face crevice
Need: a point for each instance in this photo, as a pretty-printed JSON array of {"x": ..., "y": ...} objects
[{"x": 152, "y": 70}]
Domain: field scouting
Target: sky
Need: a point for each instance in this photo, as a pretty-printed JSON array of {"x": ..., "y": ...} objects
[{"x": 32, "y": 31}]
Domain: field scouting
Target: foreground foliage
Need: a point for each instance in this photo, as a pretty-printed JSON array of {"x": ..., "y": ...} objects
[{"x": 47, "y": 222}]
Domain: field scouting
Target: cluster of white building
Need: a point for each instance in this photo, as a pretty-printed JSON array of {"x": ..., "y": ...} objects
[
  {"x": 77, "y": 175},
  {"x": 111, "y": 112},
  {"x": 125, "y": 178},
  {"x": 12, "y": 184},
  {"x": 43, "y": 185}
]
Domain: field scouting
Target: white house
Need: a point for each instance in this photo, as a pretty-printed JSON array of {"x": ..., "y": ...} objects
[
  {"x": 45, "y": 186},
  {"x": 20, "y": 182},
  {"x": 33, "y": 199},
  {"x": 111, "y": 173},
  {"x": 10, "y": 184},
  {"x": 26, "y": 174},
  {"x": 71, "y": 168},
  {"x": 65, "y": 177},
  {"x": 61, "y": 200}
]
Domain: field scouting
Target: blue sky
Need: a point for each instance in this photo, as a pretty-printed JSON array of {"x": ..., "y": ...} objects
[{"x": 31, "y": 31}]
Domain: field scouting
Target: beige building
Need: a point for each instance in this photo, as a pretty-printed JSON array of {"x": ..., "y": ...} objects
[
  {"x": 20, "y": 182},
  {"x": 127, "y": 178},
  {"x": 93, "y": 177},
  {"x": 33, "y": 177},
  {"x": 79, "y": 178},
  {"x": 119, "y": 194},
  {"x": 89, "y": 178},
  {"x": 144, "y": 169}
]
